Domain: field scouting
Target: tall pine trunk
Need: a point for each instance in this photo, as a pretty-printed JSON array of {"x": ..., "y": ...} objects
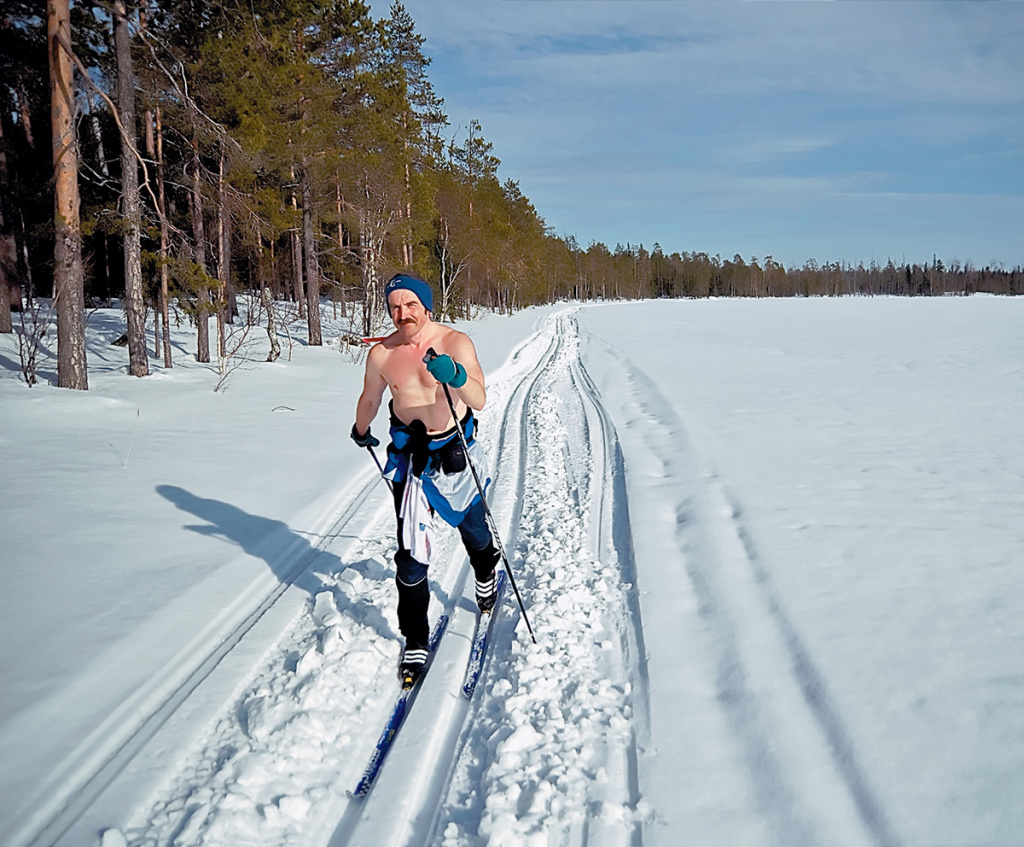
[
  {"x": 297, "y": 292},
  {"x": 199, "y": 237},
  {"x": 296, "y": 243},
  {"x": 155, "y": 150},
  {"x": 342, "y": 243},
  {"x": 165, "y": 271},
  {"x": 8, "y": 247},
  {"x": 312, "y": 265},
  {"x": 68, "y": 272},
  {"x": 222, "y": 260},
  {"x": 134, "y": 298}
]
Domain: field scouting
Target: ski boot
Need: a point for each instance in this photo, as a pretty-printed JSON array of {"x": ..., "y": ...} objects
[
  {"x": 411, "y": 668},
  {"x": 486, "y": 593}
]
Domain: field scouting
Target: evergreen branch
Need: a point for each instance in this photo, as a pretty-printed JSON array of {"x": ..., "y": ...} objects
[
  {"x": 162, "y": 218},
  {"x": 182, "y": 90},
  {"x": 66, "y": 46}
]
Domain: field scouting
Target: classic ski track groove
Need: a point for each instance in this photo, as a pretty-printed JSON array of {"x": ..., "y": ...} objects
[
  {"x": 512, "y": 424},
  {"x": 804, "y": 770},
  {"x": 610, "y": 533},
  {"x": 90, "y": 769}
]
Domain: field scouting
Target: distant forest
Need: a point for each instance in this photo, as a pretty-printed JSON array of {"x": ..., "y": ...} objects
[{"x": 175, "y": 154}]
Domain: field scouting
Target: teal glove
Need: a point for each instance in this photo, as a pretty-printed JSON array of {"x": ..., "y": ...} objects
[{"x": 445, "y": 369}]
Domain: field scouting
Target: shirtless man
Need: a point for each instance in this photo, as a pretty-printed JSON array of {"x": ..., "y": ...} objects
[{"x": 424, "y": 441}]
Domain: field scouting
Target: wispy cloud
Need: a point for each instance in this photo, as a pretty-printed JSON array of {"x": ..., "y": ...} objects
[{"x": 772, "y": 146}]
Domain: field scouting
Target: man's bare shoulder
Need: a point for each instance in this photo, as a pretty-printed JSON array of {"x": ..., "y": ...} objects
[
  {"x": 389, "y": 342},
  {"x": 383, "y": 349},
  {"x": 451, "y": 337},
  {"x": 380, "y": 352}
]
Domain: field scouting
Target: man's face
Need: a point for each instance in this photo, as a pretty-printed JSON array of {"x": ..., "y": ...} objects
[{"x": 407, "y": 312}]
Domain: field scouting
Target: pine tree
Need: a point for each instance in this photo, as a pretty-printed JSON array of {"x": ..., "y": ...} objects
[
  {"x": 8, "y": 245},
  {"x": 135, "y": 304},
  {"x": 25, "y": 101},
  {"x": 420, "y": 110},
  {"x": 72, "y": 371}
]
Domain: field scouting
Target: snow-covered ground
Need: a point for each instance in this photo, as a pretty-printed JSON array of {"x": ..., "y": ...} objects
[{"x": 770, "y": 550}]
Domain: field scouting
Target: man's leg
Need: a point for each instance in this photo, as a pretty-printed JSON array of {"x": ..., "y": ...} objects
[
  {"x": 413, "y": 598},
  {"x": 483, "y": 554}
]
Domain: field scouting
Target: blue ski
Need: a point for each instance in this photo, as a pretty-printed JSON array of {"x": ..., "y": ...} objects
[
  {"x": 398, "y": 713},
  {"x": 484, "y": 624}
]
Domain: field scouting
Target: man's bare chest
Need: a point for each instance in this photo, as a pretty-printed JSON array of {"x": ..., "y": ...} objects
[
  {"x": 415, "y": 394},
  {"x": 405, "y": 373}
]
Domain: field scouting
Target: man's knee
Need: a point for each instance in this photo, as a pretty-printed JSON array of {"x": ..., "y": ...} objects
[
  {"x": 475, "y": 532},
  {"x": 409, "y": 571}
]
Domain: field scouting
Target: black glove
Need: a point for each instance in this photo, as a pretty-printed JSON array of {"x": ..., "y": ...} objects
[{"x": 366, "y": 440}]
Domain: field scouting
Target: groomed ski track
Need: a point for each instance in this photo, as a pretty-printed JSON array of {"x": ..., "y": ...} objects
[{"x": 559, "y": 744}]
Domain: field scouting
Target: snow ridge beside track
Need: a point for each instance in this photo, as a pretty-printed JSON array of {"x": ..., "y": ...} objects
[{"x": 120, "y": 754}]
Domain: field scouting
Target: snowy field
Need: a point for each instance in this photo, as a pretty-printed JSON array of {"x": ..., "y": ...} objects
[{"x": 770, "y": 549}]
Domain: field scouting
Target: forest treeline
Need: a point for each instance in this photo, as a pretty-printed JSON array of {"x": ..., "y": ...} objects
[{"x": 180, "y": 153}]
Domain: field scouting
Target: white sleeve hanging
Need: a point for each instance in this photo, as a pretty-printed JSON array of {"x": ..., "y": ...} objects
[{"x": 417, "y": 521}]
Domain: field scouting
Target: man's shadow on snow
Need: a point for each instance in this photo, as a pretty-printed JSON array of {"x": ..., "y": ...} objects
[{"x": 288, "y": 554}]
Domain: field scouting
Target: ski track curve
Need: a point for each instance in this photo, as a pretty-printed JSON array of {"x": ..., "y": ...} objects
[{"x": 803, "y": 778}]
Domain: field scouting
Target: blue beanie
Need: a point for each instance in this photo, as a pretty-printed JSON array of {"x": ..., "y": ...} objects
[{"x": 414, "y": 284}]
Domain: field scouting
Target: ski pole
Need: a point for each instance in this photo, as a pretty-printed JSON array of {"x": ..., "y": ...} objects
[
  {"x": 432, "y": 354},
  {"x": 379, "y": 467}
]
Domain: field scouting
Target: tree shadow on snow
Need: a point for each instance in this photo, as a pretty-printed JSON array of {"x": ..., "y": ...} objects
[{"x": 288, "y": 554}]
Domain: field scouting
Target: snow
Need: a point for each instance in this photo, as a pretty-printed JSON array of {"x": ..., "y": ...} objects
[{"x": 769, "y": 548}]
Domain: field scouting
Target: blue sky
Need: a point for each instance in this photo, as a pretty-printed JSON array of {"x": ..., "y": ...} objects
[{"x": 833, "y": 131}]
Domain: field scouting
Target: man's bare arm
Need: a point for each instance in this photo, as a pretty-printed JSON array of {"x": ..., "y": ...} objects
[
  {"x": 473, "y": 392},
  {"x": 373, "y": 392}
]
